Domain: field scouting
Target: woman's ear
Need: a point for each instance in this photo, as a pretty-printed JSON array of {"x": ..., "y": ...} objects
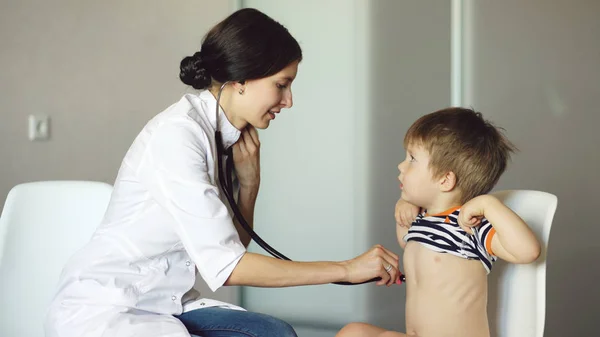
[
  {"x": 240, "y": 87},
  {"x": 448, "y": 182}
]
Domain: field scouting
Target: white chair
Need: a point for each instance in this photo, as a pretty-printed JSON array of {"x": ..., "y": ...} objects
[
  {"x": 41, "y": 226},
  {"x": 517, "y": 292}
]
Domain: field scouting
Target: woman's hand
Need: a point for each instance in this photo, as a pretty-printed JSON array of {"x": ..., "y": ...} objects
[
  {"x": 246, "y": 158},
  {"x": 405, "y": 213},
  {"x": 373, "y": 264}
]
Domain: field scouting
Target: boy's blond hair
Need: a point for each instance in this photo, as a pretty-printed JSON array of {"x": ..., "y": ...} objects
[{"x": 461, "y": 141}]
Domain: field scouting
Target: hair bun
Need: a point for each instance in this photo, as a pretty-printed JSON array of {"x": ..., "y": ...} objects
[{"x": 192, "y": 71}]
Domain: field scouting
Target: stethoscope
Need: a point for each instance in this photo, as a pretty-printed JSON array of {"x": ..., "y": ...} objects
[{"x": 226, "y": 182}]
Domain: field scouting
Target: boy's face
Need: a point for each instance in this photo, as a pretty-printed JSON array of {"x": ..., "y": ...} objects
[{"x": 416, "y": 181}]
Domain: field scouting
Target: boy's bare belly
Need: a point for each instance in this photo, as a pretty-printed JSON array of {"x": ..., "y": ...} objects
[{"x": 445, "y": 295}]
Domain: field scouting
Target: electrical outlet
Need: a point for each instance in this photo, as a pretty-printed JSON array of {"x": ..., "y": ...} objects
[{"x": 39, "y": 127}]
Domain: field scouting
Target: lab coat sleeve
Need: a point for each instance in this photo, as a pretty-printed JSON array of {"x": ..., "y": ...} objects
[{"x": 175, "y": 171}]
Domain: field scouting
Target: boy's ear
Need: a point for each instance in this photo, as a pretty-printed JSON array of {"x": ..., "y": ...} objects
[{"x": 448, "y": 182}]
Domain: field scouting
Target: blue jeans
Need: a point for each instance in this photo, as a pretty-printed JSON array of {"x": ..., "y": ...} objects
[{"x": 220, "y": 322}]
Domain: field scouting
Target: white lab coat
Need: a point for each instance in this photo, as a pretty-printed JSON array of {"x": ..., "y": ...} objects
[{"x": 166, "y": 218}]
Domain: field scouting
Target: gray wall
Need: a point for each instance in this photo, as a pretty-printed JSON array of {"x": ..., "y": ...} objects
[
  {"x": 534, "y": 68},
  {"x": 99, "y": 69}
]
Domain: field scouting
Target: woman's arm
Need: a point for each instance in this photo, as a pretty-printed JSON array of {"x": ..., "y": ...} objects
[{"x": 263, "y": 271}]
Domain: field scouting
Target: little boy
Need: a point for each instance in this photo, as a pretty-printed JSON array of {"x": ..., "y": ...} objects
[{"x": 454, "y": 157}]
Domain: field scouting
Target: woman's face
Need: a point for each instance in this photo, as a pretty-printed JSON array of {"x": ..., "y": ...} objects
[{"x": 264, "y": 98}]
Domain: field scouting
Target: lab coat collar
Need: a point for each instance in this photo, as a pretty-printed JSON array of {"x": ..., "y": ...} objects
[{"x": 229, "y": 133}]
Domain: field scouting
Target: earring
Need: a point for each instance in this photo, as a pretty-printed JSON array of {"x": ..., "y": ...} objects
[{"x": 241, "y": 91}]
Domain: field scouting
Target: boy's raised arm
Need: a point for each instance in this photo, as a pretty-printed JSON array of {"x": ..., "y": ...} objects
[{"x": 513, "y": 241}]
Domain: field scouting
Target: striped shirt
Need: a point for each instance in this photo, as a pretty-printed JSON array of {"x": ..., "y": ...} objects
[{"x": 441, "y": 233}]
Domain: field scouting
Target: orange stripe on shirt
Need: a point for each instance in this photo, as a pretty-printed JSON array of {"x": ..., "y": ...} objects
[
  {"x": 446, "y": 212},
  {"x": 488, "y": 241}
]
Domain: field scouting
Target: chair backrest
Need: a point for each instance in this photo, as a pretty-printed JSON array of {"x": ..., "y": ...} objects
[
  {"x": 517, "y": 292},
  {"x": 41, "y": 226}
]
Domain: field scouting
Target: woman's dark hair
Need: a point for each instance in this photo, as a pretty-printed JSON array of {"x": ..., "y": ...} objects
[{"x": 246, "y": 45}]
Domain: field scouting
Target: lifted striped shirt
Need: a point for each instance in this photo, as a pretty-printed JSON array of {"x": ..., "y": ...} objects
[{"x": 441, "y": 233}]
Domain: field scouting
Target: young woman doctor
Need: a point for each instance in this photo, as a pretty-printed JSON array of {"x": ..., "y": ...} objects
[{"x": 167, "y": 217}]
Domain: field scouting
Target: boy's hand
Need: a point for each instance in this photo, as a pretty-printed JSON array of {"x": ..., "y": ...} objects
[
  {"x": 472, "y": 212},
  {"x": 405, "y": 213}
]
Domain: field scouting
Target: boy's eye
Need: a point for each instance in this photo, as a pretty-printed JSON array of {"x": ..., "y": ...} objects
[
  {"x": 412, "y": 159},
  {"x": 281, "y": 86}
]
